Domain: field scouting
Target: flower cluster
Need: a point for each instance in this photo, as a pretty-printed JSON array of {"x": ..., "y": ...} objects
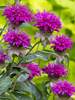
[
  {"x": 61, "y": 43},
  {"x": 3, "y": 57},
  {"x": 17, "y": 39},
  {"x": 33, "y": 68},
  {"x": 55, "y": 70},
  {"x": 47, "y": 22},
  {"x": 17, "y": 14},
  {"x": 63, "y": 88}
]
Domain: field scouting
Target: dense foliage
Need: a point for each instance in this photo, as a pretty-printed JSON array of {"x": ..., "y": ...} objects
[{"x": 36, "y": 48}]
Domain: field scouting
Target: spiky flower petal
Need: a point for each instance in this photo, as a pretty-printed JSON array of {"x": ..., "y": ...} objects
[
  {"x": 61, "y": 43},
  {"x": 17, "y": 14},
  {"x": 63, "y": 88},
  {"x": 34, "y": 69},
  {"x": 47, "y": 22},
  {"x": 3, "y": 57},
  {"x": 17, "y": 39},
  {"x": 55, "y": 71}
]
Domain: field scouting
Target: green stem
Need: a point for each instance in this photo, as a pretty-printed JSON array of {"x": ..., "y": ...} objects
[
  {"x": 37, "y": 47},
  {"x": 14, "y": 83},
  {"x": 16, "y": 77},
  {"x": 17, "y": 1},
  {"x": 3, "y": 29},
  {"x": 29, "y": 51},
  {"x": 33, "y": 47},
  {"x": 53, "y": 97}
]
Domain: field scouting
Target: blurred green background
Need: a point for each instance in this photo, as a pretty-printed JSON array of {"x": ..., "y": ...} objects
[{"x": 63, "y": 8}]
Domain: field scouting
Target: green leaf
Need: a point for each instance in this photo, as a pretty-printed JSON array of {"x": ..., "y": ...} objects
[
  {"x": 68, "y": 4},
  {"x": 23, "y": 96},
  {"x": 72, "y": 53},
  {"x": 15, "y": 96},
  {"x": 37, "y": 55},
  {"x": 5, "y": 84},
  {"x": 34, "y": 56},
  {"x": 42, "y": 87},
  {"x": 23, "y": 77},
  {"x": 29, "y": 88},
  {"x": 2, "y": 30},
  {"x": 42, "y": 55},
  {"x": 8, "y": 96},
  {"x": 41, "y": 82},
  {"x": 28, "y": 28},
  {"x": 41, "y": 79}
]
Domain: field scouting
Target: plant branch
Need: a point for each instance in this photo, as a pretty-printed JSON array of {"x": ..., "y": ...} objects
[
  {"x": 17, "y": 1},
  {"x": 14, "y": 83},
  {"x": 3, "y": 29},
  {"x": 30, "y": 50},
  {"x": 33, "y": 47}
]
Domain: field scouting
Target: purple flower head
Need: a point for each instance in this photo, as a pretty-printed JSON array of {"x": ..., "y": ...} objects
[
  {"x": 47, "y": 22},
  {"x": 61, "y": 43},
  {"x": 17, "y": 14},
  {"x": 34, "y": 69},
  {"x": 55, "y": 70},
  {"x": 17, "y": 39},
  {"x": 3, "y": 57},
  {"x": 63, "y": 88}
]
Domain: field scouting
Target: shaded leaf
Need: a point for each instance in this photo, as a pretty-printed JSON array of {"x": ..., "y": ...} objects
[
  {"x": 15, "y": 96},
  {"x": 5, "y": 84},
  {"x": 43, "y": 55},
  {"x": 23, "y": 77},
  {"x": 29, "y": 88}
]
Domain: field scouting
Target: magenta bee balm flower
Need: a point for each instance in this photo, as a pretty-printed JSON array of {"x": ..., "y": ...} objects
[
  {"x": 63, "y": 88},
  {"x": 17, "y": 14},
  {"x": 47, "y": 22},
  {"x": 34, "y": 69},
  {"x": 17, "y": 39},
  {"x": 3, "y": 57},
  {"x": 55, "y": 70},
  {"x": 61, "y": 43}
]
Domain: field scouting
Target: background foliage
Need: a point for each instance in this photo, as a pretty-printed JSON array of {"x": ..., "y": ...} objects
[{"x": 63, "y": 8}]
